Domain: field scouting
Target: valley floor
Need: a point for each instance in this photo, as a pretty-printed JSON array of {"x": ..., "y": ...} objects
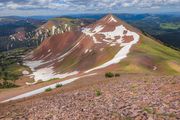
[{"x": 130, "y": 96}]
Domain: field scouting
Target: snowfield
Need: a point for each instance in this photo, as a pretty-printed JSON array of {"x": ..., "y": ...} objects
[
  {"x": 123, "y": 52},
  {"x": 44, "y": 74}
]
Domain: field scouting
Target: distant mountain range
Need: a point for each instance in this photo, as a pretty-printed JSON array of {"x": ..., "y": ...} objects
[
  {"x": 20, "y": 32},
  {"x": 16, "y": 32}
]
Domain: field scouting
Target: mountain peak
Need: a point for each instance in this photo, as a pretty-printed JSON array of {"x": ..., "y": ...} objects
[{"x": 110, "y": 18}]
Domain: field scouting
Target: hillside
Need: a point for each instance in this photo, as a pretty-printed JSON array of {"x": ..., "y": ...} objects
[
  {"x": 106, "y": 45},
  {"x": 152, "y": 56}
]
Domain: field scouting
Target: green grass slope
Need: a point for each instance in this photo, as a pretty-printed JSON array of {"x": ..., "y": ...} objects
[{"x": 150, "y": 56}]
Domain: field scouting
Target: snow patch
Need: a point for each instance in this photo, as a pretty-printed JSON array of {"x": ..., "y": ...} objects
[
  {"x": 46, "y": 74},
  {"x": 25, "y": 72},
  {"x": 41, "y": 56},
  {"x": 49, "y": 50},
  {"x": 69, "y": 28},
  {"x": 65, "y": 26},
  {"x": 67, "y": 53},
  {"x": 86, "y": 50},
  {"x": 101, "y": 49},
  {"x": 112, "y": 19},
  {"x": 91, "y": 32},
  {"x": 113, "y": 44},
  {"x": 98, "y": 29},
  {"x": 53, "y": 30},
  {"x": 154, "y": 68},
  {"x": 49, "y": 54}
]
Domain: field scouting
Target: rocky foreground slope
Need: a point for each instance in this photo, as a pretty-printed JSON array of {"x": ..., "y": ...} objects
[{"x": 139, "y": 97}]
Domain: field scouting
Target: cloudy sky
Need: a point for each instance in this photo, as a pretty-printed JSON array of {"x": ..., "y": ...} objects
[{"x": 60, "y": 7}]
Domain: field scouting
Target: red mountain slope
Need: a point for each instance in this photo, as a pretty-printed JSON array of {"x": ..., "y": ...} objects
[{"x": 96, "y": 48}]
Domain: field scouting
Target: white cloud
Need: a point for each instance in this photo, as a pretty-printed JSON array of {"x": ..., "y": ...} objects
[{"x": 86, "y": 5}]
